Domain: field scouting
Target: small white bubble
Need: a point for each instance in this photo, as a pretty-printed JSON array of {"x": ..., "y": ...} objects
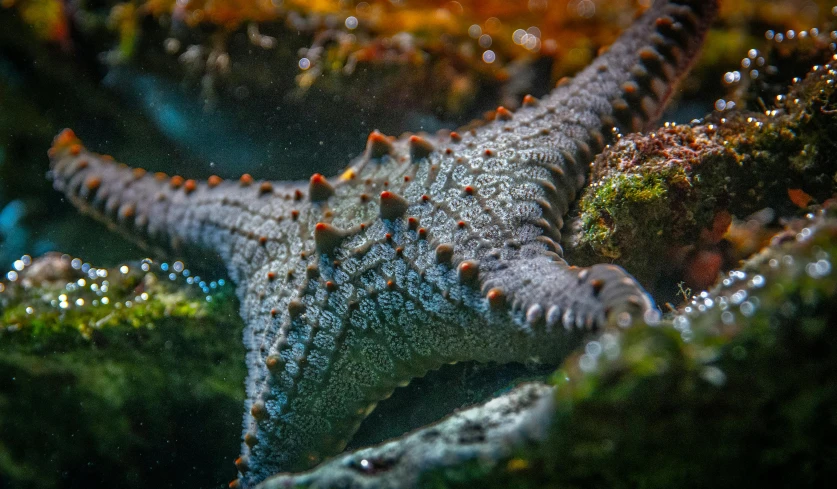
[
  {"x": 594, "y": 348},
  {"x": 124, "y": 269},
  {"x": 18, "y": 265},
  {"x": 475, "y": 31},
  {"x": 304, "y": 63},
  {"x": 587, "y": 363},
  {"x": 489, "y": 56},
  {"x": 351, "y": 22},
  {"x": 624, "y": 319},
  {"x": 682, "y": 323},
  {"x": 739, "y": 297},
  {"x": 714, "y": 376},
  {"x": 105, "y": 300},
  {"x": 29, "y": 310},
  {"x": 79, "y": 302},
  {"x": 748, "y": 308},
  {"x": 727, "y": 317},
  {"x": 11, "y": 276}
]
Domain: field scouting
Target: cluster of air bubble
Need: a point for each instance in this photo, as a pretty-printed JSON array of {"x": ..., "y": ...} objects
[
  {"x": 758, "y": 64},
  {"x": 70, "y": 286}
]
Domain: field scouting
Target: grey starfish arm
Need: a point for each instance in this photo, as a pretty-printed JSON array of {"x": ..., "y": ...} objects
[
  {"x": 235, "y": 220},
  {"x": 488, "y": 433}
]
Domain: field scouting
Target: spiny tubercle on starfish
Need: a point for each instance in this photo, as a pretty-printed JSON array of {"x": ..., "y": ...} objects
[{"x": 426, "y": 250}]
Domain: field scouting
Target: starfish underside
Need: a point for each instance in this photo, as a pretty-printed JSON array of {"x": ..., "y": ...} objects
[{"x": 426, "y": 250}]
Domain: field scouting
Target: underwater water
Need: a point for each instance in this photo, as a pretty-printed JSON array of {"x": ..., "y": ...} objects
[{"x": 119, "y": 372}]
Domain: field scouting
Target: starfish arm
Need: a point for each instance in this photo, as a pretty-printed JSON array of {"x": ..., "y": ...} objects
[{"x": 244, "y": 222}]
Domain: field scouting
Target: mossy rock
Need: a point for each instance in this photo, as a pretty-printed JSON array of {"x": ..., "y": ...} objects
[{"x": 112, "y": 395}]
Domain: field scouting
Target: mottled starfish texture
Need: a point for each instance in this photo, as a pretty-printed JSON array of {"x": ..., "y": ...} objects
[{"x": 426, "y": 250}]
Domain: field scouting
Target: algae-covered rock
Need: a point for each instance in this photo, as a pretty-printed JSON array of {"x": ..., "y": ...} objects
[
  {"x": 123, "y": 377},
  {"x": 737, "y": 389},
  {"x": 656, "y": 194}
]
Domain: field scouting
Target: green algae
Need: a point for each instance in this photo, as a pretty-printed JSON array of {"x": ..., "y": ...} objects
[{"x": 130, "y": 396}]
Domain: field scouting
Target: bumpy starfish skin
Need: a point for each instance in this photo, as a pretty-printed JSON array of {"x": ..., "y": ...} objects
[{"x": 427, "y": 250}]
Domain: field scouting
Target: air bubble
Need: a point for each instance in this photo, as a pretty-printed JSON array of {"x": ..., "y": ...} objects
[
  {"x": 587, "y": 363},
  {"x": 624, "y": 319},
  {"x": 714, "y": 376},
  {"x": 747, "y": 308},
  {"x": 594, "y": 348}
]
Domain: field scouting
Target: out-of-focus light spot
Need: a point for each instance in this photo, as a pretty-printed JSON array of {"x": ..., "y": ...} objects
[
  {"x": 304, "y": 63},
  {"x": 488, "y": 56},
  {"x": 351, "y": 22},
  {"x": 518, "y": 35}
]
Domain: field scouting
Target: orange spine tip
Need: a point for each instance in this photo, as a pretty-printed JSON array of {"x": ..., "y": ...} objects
[
  {"x": 496, "y": 297},
  {"x": 378, "y": 145},
  {"x": 265, "y": 188},
  {"x": 419, "y": 148},
  {"x": 468, "y": 271},
  {"x": 319, "y": 189},
  {"x": 530, "y": 101},
  {"x": 93, "y": 182},
  {"x": 393, "y": 205},
  {"x": 504, "y": 114},
  {"x": 213, "y": 181},
  {"x": 176, "y": 181},
  {"x": 327, "y": 237}
]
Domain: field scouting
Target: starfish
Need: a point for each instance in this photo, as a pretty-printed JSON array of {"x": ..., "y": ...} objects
[{"x": 427, "y": 250}]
